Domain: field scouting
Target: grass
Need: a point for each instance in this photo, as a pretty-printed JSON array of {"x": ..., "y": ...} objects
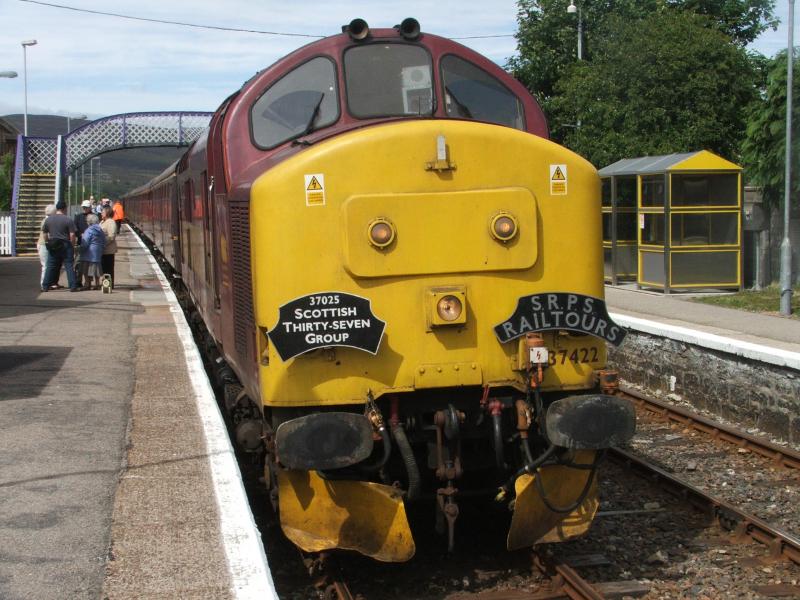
[{"x": 764, "y": 301}]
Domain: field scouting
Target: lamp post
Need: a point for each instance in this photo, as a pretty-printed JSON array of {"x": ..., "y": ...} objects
[
  {"x": 99, "y": 180},
  {"x": 786, "y": 244},
  {"x": 74, "y": 171},
  {"x": 68, "y": 121},
  {"x": 25, "y": 45},
  {"x": 91, "y": 175},
  {"x": 572, "y": 9}
]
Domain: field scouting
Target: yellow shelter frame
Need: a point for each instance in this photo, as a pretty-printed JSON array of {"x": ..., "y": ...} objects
[{"x": 688, "y": 221}]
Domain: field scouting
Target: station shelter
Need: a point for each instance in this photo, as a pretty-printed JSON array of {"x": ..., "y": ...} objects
[{"x": 673, "y": 222}]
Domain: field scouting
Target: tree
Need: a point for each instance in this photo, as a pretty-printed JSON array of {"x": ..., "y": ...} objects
[
  {"x": 547, "y": 37},
  {"x": 547, "y": 34},
  {"x": 664, "y": 83},
  {"x": 742, "y": 20},
  {"x": 764, "y": 147},
  {"x": 6, "y": 181}
]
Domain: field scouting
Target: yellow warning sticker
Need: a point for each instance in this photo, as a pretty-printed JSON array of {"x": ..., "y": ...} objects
[
  {"x": 315, "y": 189},
  {"x": 558, "y": 180}
]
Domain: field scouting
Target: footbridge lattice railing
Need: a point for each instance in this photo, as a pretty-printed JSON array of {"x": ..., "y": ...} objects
[{"x": 62, "y": 155}]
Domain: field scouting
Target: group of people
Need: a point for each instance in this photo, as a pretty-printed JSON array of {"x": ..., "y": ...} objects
[{"x": 92, "y": 233}]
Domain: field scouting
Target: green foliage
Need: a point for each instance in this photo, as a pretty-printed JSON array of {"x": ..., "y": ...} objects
[
  {"x": 664, "y": 83},
  {"x": 6, "y": 181},
  {"x": 742, "y": 20},
  {"x": 547, "y": 38},
  {"x": 764, "y": 148}
]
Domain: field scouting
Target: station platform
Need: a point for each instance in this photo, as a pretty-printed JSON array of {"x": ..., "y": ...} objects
[
  {"x": 768, "y": 338},
  {"x": 117, "y": 479}
]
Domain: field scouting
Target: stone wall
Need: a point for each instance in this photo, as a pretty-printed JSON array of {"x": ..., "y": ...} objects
[{"x": 746, "y": 392}]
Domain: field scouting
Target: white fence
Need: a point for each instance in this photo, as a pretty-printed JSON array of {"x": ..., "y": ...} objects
[{"x": 6, "y": 232}]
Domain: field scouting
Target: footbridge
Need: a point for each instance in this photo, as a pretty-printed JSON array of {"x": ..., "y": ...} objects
[{"x": 43, "y": 164}]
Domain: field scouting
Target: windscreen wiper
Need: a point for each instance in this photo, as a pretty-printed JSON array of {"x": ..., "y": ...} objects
[{"x": 310, "y": 125}]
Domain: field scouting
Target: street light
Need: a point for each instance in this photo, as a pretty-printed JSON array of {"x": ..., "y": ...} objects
[
  {"x": 74, "y": 171},
  {"x": 786, "y": 244},
  {"x": 25, "y": 45},
  {"x": 68, "y": 119},
  {"x": 572, "y": 9},
  {"x": 9, "y": 74},
  {"x": 91, "y": 174}
]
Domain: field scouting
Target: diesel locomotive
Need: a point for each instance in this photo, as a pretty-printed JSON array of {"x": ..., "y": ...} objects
[{"x": 401, "y": 282}]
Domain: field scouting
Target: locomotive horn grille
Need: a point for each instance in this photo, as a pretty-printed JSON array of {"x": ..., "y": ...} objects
[
  {"x": 409, "y": 28},
  {"x": 357, "y": 29}
]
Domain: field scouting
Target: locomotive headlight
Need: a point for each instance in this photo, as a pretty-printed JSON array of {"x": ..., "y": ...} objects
[
  {"x": 503, "y": 227},
  {"x": 381, "y": 233},
  {"x": 449, "y": 308}
]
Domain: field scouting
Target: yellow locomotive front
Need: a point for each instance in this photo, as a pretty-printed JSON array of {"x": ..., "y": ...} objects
[{"x": 428, "y": 297}]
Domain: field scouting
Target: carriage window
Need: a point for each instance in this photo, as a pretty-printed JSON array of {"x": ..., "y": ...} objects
[
  {"x": 388, "y": 80},
  {"x": 297, "y": 104},
  {"x": 471, "y": 93}
]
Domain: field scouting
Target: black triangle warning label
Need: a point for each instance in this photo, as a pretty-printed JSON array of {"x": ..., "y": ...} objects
[
  {"x": 314, "y": 185},
  {"x": 557, "y": 175}
]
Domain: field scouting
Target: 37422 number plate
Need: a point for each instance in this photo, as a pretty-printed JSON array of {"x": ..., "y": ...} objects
[{"x": 582, "y": 355}]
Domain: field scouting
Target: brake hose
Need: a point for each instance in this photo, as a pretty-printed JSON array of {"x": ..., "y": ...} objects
[
  {"x": 407, "y": 454},
  {"x": 583, "y": 494}
]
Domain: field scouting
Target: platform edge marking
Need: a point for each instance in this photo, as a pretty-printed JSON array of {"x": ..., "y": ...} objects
[
  {"x": 758, "y": 352},
  {"x": 247, "y": 563}
]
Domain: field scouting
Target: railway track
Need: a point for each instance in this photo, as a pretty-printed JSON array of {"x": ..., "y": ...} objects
[
  {"x": 545, "y": 575},
  {"x": 742, "y": 525},
  {"x": 781, "y": 455},
  {"x": 563, "y": 581}
]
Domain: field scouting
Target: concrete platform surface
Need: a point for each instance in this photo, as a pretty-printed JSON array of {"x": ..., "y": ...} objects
[
  {"x": 116, "y": 478},
  {"x": 772, "y": 331}
]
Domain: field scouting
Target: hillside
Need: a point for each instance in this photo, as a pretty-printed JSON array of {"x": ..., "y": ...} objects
[{"x": 119, "y": 171}]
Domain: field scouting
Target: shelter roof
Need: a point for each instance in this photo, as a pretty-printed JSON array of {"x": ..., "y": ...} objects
[{"x": 701, "y": 160}]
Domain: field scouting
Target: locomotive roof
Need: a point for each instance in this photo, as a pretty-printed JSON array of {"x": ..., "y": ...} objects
[{"x": 335, "y": 45}]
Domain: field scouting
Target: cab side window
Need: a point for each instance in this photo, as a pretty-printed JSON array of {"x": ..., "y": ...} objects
[
  {"x": 302, "y": 101},
  {"x": 471, "y": 93}
]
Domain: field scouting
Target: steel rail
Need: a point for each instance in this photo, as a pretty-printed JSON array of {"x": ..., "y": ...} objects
[
  {"x": 564, "y": 579},
  {"x": 562, "y": 582},
  {"x": 786, "y": 457},
  {"x": 781, "y": 545}
]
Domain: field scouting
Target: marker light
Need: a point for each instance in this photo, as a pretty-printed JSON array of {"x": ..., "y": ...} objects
[
  {"x": 380, "y": 233},
  {"x": 449, "y": 308},
  {"x": 503, "y": 227}
]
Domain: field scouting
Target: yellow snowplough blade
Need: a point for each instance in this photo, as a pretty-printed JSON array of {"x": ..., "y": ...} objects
[
  {"x": 319, "y": 514},
  {"x": 534, "y": 523}
]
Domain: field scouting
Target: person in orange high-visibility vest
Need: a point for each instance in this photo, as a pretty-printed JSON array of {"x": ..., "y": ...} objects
[{"x": 119, "y": 214}]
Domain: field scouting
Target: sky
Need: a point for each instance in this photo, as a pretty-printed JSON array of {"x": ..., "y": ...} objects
[{"x": 85, "y": 64}]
